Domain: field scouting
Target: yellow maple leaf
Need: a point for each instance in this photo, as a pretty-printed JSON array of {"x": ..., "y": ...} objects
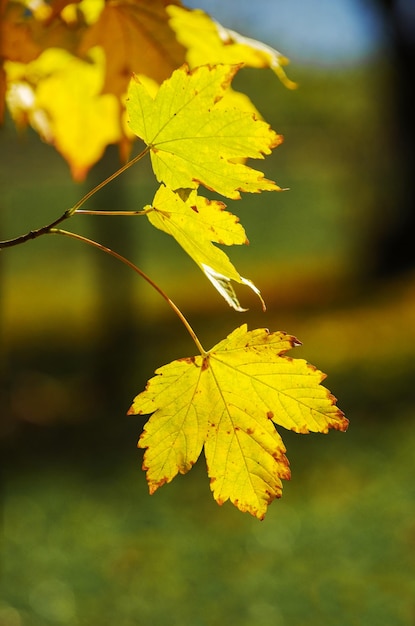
[
  {"x": 207, "y": 41},
  {"x": 61, "y": 97},
  {"x": 194, "y": 142},
  {"x": 195, "y": 222},
  {"x": 225, "y": 400}
]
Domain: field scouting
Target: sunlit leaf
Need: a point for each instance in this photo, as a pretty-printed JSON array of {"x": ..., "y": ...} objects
[
  {"x": 226, "y": 401},
  {"x": 192, "y": 141},
  {"x": 67, "y": 107},
  {"x": 195, "y": 222},
  {"x": 207, "y": 41}
]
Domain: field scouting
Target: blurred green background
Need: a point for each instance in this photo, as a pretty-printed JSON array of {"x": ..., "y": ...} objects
[{"x": 82, "y": 542}]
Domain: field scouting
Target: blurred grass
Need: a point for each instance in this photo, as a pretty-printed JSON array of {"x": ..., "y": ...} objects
[
  {"x": 86, "y": 545},
  {"x": 83, "y": 544}
]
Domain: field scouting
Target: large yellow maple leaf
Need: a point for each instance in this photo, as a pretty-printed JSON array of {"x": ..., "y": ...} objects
[
  {"x": 226, "y": 401},
  {"x": 194, "y": 142}
]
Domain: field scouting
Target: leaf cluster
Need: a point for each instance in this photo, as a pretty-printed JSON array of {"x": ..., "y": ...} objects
[
  {"x": 162, "y": 74},
  {"x": 226, "y": 399},
  {"x": 66, "y": 63}
]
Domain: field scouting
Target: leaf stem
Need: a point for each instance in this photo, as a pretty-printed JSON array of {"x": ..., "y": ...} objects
[
  {"x": 122, "y": 169},
  {"x": 95, "y": 244},
  {"x": 87, "y": 212}
]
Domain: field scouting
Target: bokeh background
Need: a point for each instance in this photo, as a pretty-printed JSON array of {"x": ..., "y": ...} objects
[{"x": 82, "y": 542}]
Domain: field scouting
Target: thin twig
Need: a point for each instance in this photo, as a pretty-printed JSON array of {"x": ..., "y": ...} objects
[
  {"x": 33, "y": 234},
  {"x": 122, "y": 169},
  {"x": 129, "y": 213},
  {"x": 95, "y": 244}
]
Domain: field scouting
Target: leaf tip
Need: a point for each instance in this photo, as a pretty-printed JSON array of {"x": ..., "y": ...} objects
[
  {"x": 341, "y": 423},
  {"x": 277, "y": 140},
  {"x": 133, "y": 411}
]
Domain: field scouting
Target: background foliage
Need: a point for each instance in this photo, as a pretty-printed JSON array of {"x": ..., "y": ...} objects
[{"x": 82, "y": 541}]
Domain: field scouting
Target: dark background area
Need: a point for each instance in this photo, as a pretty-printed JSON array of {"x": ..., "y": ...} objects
[{"x": 82, "y": 541}]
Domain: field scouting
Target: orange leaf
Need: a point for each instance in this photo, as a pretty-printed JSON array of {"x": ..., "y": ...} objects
[
  {"x": 136, "y": 38},
  {"x": 24, "y": 35},
  {"x": 16, "y": 39}
]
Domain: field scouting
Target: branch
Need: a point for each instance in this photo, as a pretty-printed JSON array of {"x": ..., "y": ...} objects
[{"x": 33, "y": 234}]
